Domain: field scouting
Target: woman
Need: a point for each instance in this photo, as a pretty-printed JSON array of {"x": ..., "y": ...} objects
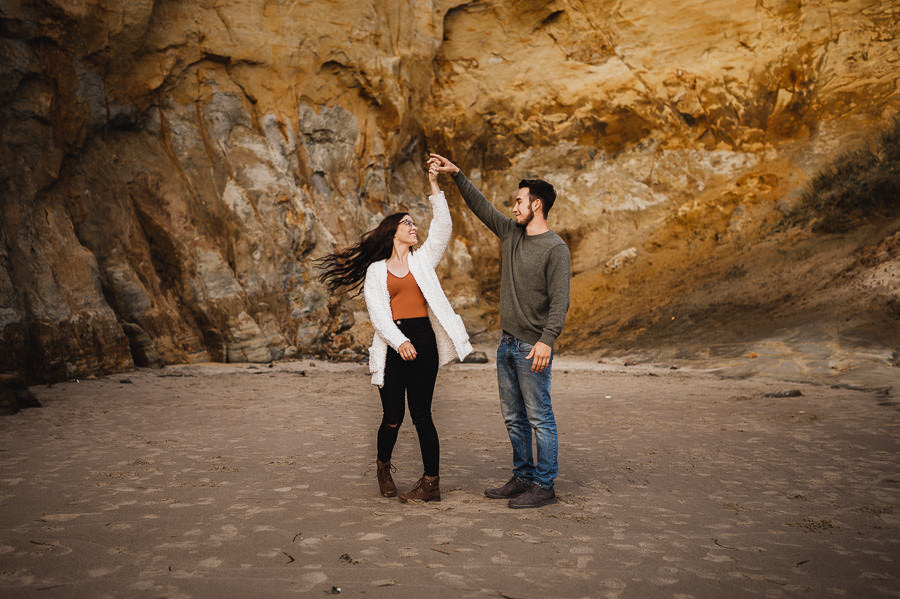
[{"x": 416, "y": 329}]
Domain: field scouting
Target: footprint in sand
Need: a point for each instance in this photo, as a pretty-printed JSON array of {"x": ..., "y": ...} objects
[
  {"x": 211, "y": 562},
  {"x": 492, "y": 532},
  {"x": 309, "y": 581}
]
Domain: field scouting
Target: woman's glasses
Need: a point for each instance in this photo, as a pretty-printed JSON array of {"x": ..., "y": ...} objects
[{"x": 408, "y": 223}]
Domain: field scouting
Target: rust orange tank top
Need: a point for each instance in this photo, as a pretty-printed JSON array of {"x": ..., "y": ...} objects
[{"x": 407, "y": 300}]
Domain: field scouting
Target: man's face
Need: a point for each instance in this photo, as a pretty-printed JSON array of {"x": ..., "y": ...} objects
[{"x": 522, "y": 207}]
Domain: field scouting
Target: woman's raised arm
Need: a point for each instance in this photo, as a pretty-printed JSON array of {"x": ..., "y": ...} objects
[{"x": 441, "y": 224}]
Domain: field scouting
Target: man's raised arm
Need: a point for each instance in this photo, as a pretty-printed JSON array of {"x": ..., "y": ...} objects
[{"x": 484, "y": 210}]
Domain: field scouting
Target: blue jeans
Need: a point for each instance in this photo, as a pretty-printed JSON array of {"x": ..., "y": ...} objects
[{"x": 525, "y": 405}]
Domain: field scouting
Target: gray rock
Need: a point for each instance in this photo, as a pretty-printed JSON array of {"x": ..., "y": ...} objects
[
  {"x": 143, "y": 348},
  {"x": 476, "y": 357},
  {"x": 15, "y": 395}
]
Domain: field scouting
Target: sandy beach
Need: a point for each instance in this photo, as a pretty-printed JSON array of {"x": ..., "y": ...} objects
[{"x": 236, "y": 480}]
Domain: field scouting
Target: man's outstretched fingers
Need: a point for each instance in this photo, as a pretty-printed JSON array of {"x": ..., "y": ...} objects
[{"x": 444, "y": 165}]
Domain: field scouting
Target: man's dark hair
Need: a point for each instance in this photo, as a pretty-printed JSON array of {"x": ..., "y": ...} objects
[{"x": 540, "y": 189}]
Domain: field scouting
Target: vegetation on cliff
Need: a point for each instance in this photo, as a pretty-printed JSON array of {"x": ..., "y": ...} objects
[{"x": 860, "y": 185}]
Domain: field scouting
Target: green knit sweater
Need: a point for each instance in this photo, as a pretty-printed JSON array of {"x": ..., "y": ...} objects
[{"x": 534, "y": 272}]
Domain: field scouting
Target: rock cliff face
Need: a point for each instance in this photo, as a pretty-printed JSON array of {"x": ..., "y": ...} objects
[{"x": 170, "y": 169}]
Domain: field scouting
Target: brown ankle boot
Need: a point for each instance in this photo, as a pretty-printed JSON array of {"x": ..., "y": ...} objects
[
  {"x": 427, "y": 489},
  {"x": 385, "y": 482}
]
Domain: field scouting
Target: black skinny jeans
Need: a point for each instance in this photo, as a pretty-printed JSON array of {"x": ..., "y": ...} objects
[{"x": 415, "y": 379}]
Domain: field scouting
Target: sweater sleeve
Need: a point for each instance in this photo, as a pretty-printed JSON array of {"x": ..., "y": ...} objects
[
  {"x": 379, "y": 307},
  {"x": 558, "y": 288},
  {"x": 439, "y": 231},
  {"x": 484, "y": 210}
]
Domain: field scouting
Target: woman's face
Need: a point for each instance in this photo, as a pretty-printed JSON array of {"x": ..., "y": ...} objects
[{"x": 407, "y": 232}]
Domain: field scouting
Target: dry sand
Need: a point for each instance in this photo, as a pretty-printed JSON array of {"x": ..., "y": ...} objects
[{"x": 240, "y": 481}]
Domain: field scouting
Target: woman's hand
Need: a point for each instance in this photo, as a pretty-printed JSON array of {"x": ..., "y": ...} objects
[
  {"x": 432, "y": 173},
  {"x": 443, "y": 165},
  {"x": 407, "y": 351}
]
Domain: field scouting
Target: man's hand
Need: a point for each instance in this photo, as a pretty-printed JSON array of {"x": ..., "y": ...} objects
[
  {"x": 407, "y": 351},
  {"x": 443, "y": 165},
  {"x": 541, "y": 352}
]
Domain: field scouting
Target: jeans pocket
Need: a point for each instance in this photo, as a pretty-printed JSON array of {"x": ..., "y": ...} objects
[{"x": 523, "y": 346}]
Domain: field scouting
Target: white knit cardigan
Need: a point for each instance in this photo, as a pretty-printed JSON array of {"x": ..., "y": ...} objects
[{"x": 449, "y": 330}]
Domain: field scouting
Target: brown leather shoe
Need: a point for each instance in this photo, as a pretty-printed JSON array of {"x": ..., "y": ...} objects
[
  {"x": 514, "y": 487},
  {"x": 427, "y": 489},
  {"x": 536, "y": 496},
  {"x": 385, "y": 482}
]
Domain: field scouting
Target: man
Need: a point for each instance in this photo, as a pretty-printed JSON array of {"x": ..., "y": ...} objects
[{"x": 534, "y": 298}]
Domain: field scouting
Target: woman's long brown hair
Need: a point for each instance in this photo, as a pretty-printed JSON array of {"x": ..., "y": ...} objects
[{"x": 346, "y": 269}]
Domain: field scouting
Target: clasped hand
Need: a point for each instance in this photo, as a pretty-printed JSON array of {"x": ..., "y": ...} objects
[
  {"x": 407, "y": 351},
  {"x": 441, "y": 164}
]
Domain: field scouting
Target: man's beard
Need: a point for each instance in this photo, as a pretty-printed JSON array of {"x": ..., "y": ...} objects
[{"x": 527, "y": 218}]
